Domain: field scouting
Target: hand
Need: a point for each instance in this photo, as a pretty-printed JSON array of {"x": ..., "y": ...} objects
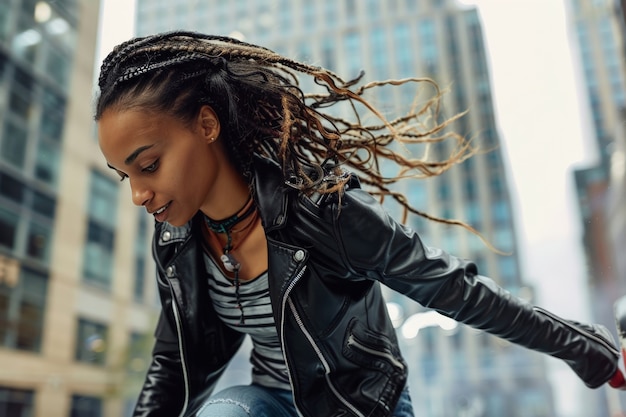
[{"x": 618, "y": 381}]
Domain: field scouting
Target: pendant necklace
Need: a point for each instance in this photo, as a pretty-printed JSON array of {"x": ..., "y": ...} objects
[{"x": 226, "y": 226}]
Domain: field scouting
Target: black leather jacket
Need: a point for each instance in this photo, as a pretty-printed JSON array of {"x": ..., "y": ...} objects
[{"x": 327, "y": 258}]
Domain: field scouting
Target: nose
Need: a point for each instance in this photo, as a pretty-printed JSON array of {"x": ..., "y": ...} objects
[{"x": 141, "y": 194}]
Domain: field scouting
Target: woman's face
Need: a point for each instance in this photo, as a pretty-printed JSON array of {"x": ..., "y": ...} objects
[{"x": 174, "y": 169}]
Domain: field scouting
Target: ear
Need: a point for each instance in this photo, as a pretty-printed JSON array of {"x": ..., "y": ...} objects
[{"x": 208, "y": 123}]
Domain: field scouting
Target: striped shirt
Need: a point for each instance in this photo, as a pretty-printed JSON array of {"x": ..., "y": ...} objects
[{"x": 268, "y": 364}]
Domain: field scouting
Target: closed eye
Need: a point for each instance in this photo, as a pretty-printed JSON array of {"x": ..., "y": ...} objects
[
  {"x": 120, "y": 173},
  {"x": 152, "y": 167}
]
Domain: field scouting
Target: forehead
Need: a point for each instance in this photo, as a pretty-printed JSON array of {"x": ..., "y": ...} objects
[{"x": 120, "y": 130}]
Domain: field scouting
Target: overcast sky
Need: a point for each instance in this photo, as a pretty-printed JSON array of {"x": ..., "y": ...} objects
[{"x": 540, "y": 116}]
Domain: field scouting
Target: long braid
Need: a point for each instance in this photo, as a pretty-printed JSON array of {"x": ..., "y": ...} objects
[{"x": 256, "y": 91}]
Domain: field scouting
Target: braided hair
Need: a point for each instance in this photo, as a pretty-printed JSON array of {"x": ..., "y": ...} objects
[{"x": 255, "y": 93}]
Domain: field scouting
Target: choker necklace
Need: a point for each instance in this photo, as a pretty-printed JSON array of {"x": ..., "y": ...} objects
[
  {"x": 226, "y": 225},
  {"x": 231, "y": 264}
]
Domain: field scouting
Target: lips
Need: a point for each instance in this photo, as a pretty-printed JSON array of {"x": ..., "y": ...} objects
[{"x": 160, "y": 214}]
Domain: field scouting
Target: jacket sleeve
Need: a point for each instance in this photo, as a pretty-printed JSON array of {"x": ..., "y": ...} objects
[
  {"x": 162, "y": 393},
  {"x": 376, "y": 246}
]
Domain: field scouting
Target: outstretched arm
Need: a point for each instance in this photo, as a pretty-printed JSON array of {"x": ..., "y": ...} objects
[{"x": 395, "y": 255}]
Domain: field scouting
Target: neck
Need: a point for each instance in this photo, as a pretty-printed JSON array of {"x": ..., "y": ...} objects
[
  {"x": 225, "y": 202},
  {"x": 228, "y": 191},
  {"x": 225, "y": 225}
]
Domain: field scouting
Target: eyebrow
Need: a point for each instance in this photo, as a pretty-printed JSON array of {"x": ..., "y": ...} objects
[{"x": 131, "y": 158}]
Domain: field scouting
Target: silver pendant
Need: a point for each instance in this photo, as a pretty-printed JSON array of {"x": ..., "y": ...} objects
[{"x": 230, "y": 263}]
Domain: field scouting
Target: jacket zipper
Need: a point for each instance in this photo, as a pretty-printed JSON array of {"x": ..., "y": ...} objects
[
  {"x": 353, "y": 341},
  {"x": 282, "y": 322},
  {"x": 182, "y": 354},
  {"x": 581, "y": 331},
  {"x": 316, "y": 348}
]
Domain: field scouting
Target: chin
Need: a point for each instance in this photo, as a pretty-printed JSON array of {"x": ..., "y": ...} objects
[{"x": 178, "y": 222}]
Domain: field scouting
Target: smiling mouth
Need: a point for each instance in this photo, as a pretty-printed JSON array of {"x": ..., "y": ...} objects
[{"x": 161, "y": 210}]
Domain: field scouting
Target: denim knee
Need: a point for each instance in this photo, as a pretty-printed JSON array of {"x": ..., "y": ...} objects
[{"x": 248, "y": 400}]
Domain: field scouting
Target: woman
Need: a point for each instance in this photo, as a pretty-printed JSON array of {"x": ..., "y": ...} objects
[{"x": 262, "y": 230}]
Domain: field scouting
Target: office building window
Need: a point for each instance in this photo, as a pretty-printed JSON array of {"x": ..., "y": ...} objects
[
  {"x": 428, "y": 42},
  {"x": 284, "y": 17},
  {"x": 140, "y": 278},
  {"x": 308, "y": 15},
  {"x": 52, "y": 114},
  {"x": 12, "y": 188},
  {"x": 43, "y": 204},
  {"x": 403, "y": 40},
  {"x": 496, "y": 186},
  {"x": 503, "y": 239},
  {"x": 98, "y": 255},
  {"x": 328, "y": 54},
  {"x": 379, "y": 55},
  {"x": 4, "y": 19},
  {"x": 103, "y": 199},
  {"x": 486, "y": 355},
  {"x": 58, "y": 66},
  {"x": 47, "y": 162},
  {"x": 500, "y": 212},
  {"x": 140, "y": 257},
  {"x": 350, "y": 9},
  {"x": 3, "y": 57},
  {"x": 470, "y": 188},
  {"x": 16, "y": 402},
  {"x": 468, "y": 165},
  {"x": 21, "y": 94},
  {"x": 85, "y": 406},
  {"x": 417, "y": 194},
  {"x": 473, "y": 213},
  {"x": 91, "y": 342},
  {"x": 330, "y": 13},
  {"x": 429, "y": 363},
  {"x": 373, "y": 9},
  {"x": 138, "y": 353},
  {"x": 352, "y": 49},
  {"x": 22, "y": 303},
  {"x": 38, "y": 241},
  {"x": 444, "y": 190},
  {"x": 507, "y": 266},
  {"x": 8, "y": 228},
  {"x": 493, "y": 161},
  {"x": 14, "y": 139},
  {"x": 450, "y": 241}
]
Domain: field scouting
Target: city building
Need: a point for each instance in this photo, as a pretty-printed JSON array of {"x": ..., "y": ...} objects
[
  {"x": 597, "y": 31},
  {"x": 597, "y": 40},
  {"x": 455, "y": 370},
  {"x": 75, "y": 307},
  {"x": 617, "y": 171}
]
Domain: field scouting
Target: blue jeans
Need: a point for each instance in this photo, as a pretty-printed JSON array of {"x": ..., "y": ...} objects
[{"x": 258, "y": 401}]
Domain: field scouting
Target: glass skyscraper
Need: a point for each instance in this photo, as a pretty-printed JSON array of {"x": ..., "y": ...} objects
[
  {"x": 598, "y": 39},
  {"x": 75, "y": 307}
]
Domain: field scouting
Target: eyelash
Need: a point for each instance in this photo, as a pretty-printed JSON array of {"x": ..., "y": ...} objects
[{"x": 150, "y": 168}]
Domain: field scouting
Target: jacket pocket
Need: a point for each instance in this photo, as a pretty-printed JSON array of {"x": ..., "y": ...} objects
[{"x": 371, "y": 350}]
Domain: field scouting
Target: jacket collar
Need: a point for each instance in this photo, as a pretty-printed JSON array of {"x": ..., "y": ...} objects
[{"x": 270, "y": 192}]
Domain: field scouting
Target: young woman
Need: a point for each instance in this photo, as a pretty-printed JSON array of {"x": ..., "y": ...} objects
[{"x": 262, "y": 228}]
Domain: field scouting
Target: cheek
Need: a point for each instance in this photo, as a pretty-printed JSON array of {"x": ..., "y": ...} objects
[{"x": 197, "y": 169}]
